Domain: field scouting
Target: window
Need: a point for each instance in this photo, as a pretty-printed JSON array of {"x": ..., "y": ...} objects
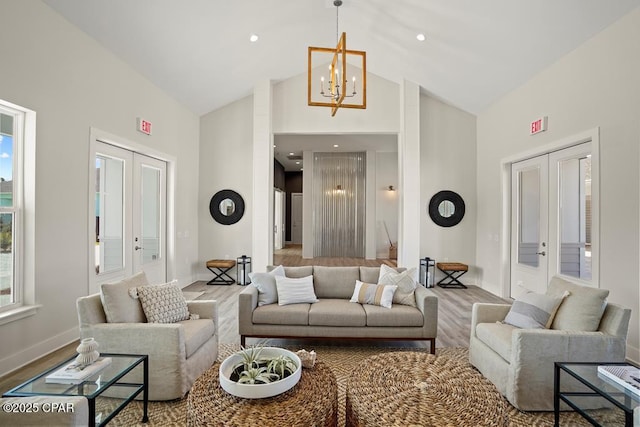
[{"x": 17, "y": 156}]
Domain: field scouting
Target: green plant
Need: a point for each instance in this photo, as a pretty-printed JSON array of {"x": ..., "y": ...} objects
[
  {"x": 282, "y": 366},
  {"x": 250, "y": 357},
  {"x": 257, "y": 376}
]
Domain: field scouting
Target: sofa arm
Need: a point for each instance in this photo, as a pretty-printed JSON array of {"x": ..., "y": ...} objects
[
  {"x": 158, "y": 339},
  {"x": 206, "y": 309},
  {"x": 247, "y": 302},
  {"x": 487, "y": 313},
  {"x": 564, "y": 346},
  {"x": 427, "y": 303}
]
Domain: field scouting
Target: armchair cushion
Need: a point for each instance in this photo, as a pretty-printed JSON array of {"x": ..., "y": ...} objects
[
  {"x": 119, "y": 305},
  {"x": 581, "y": 310},
  {"x": 163, "y": 303}
]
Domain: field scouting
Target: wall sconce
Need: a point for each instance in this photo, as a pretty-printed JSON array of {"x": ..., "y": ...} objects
[
  {"x": 338, "y": 187},
  {"x": 392, "y": 188}
]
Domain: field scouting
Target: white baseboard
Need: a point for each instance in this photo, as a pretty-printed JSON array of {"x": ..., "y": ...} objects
[
  {"x": 28, "y": 355},
  {"x": 633, "y": 354}
]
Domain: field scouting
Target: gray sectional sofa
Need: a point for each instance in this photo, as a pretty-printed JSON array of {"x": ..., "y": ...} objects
[{"x": 334, "y": 316}]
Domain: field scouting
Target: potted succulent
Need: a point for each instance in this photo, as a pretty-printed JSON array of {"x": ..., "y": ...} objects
[{"x": 257, "y": 372}]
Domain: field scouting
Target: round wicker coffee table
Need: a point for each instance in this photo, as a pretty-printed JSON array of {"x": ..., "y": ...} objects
[
  {"x": 411, "y": 388},
  {"x": 311, "y": 402}
]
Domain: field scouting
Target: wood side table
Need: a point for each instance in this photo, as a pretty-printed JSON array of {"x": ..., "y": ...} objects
[
  {"x": 220, "y": 268},
  {"x": 453, "y": 271}
]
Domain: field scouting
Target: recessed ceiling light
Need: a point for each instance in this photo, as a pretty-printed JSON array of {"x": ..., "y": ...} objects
[
  {"x": 292, "y": 154},
  {"x": 421, "y": 37},
  {"x": 335, "y": 145},
  {"x": 297, "y": 163},
  {"x": 253, "y": 38}
]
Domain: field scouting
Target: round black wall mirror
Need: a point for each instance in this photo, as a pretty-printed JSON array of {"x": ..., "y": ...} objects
[
  {"x": 446, "y": 208},
  {"x": 226, "y": 207}
]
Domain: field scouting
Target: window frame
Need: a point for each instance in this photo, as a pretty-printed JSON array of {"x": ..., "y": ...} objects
[{"x": 23, "y": 209}]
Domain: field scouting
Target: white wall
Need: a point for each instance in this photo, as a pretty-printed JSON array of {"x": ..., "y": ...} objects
[
  {"x": 73, "y": 84},
  {"x": 597, "y": 85},
  {"x": 386, "y": 202},
  {"x": 226, "y": 141},
  {"x": 448, "y": 162}
]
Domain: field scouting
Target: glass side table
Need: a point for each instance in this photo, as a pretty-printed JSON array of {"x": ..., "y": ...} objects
[
  {"x": 113, "y": 378},
  {"x": 598, "y": 392}
]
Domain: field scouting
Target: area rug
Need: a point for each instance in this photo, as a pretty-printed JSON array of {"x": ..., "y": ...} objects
[{"x": 342, "y": 361}]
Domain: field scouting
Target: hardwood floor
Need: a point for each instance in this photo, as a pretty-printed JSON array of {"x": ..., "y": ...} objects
[{"x": 454, "y": 317}]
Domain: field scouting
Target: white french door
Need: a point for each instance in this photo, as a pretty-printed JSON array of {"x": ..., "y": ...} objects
[
  {"x": 529, "y": 225},
  {"x": 554, "y": 221},
  {"x": 130, "y": 216}
]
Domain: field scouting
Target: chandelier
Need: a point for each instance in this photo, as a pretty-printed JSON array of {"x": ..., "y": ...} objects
[{"x": 343, "y": 66}]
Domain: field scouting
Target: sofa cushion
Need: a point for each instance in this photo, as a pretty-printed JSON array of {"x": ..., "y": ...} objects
[
  {"x": 336, "y": 312},
  {"x": 397, "y": 316},
  {"x": 295, "y": 290},
  {"x": 533, "y": 310},
  {"x": 335, "y": 282},
  {"x": 368, "y": 293},
  {"x": 196, "y": 333},
  {"x": 581, "y": 310},
  {"x": 303, "y": 271},
  {"x": 496, "y": 336},
  {"x": 369, "y": 274},
  {"x": 163, "y": 303},
  {"x": 406, "y": 282},
  {"x": 273, "y": 314},
  {"x": 266, "y": 285},
  {"x": 118, "y": 304}
]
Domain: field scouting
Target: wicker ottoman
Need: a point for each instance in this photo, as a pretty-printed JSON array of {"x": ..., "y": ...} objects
[
  {"x": 411, "y": 388},
  {"x": 312, "y": 402}
]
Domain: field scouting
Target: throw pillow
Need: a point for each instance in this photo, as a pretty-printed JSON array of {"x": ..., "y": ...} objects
[
  {"x": 118, "y": 303},
  {"x": 405, "y": 281},
  {"x": 266, "y": 285},
  {"x": 295, "y": 290},
  {"x": 533, "y": 311},
  {"x": 369, "y": 293},
  {"x": 163, "y": 303},
  {"x": 581, "y": 310}
]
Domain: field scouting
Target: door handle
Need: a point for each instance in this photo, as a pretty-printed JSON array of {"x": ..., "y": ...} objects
[
  {"x": 137, "y": 248},
  {"x": 543, "y": 253}
]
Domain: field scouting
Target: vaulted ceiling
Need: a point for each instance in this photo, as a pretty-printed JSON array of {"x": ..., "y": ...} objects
[{"x": 198, "y": 51}]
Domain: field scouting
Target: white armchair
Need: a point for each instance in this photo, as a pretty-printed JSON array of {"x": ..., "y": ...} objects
[
  {"x": 178, "y": 352},
  {"x": 520, "y": 362}
]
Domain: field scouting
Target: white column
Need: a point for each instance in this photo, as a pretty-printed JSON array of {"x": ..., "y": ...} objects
[
  {"x": 409, "y": 167},
  {"x": 262, "y": 200}
]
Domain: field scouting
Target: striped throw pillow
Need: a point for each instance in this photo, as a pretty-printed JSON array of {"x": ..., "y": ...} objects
[
  {"x": 533, "y": 311},
  {"x": 368, "y": 293}
]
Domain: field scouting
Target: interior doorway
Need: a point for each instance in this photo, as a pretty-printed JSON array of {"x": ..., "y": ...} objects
[
  {"x": 279, "y": 209},
  {"x": 296, "y": 218}
]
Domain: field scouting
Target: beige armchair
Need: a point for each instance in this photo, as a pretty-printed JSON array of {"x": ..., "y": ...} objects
[
  {"x": 520, "y": 362},
  {"x": 178, "y": 352}
]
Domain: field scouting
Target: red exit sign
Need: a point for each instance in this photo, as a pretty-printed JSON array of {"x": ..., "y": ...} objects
[
  {"x": 538, "y": 125},
  {"x": 144, "y": 126}
]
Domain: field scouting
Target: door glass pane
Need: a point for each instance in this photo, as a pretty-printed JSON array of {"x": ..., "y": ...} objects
[
  {"x": 575, "y": 217},
  {"x": 150, "y": 214},
  {"x": 109, "y": 207},
  {"x": 529, "y": 221}
]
